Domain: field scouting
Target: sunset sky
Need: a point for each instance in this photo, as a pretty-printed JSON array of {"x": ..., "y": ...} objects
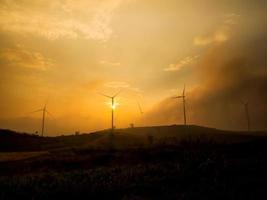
[{"x": 66, "y": 52}]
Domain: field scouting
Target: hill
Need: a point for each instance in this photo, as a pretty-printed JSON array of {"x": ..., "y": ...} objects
[
  {"x": 164, "y": 162},
  {"x": 124, "y": 138}
]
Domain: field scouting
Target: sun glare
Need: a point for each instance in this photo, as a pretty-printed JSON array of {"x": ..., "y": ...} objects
[{"x": 114, "y": 106}]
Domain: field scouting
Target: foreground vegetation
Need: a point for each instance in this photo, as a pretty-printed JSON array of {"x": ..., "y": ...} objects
[{"x": 163, "y": 168}]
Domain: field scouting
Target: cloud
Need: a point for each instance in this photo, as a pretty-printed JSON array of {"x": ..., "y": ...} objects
[
  {"x": 128, "y": 91},
  {"x": 93, "y": 84},
  {"x": 226, "y": 74},
  {"x": 221, "y": 35},
  {"x": 231, "y": 19},
  {"x": 21, "y": 57},
  {"x": 55, "y": 19},
  {"x": 109, "y": 63},
  {"x": 117, "y": 84},
  {"x": 182, "y": 63}
]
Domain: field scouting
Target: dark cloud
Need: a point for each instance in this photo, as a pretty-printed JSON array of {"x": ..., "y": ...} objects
[{"x": 227, "y": 73}]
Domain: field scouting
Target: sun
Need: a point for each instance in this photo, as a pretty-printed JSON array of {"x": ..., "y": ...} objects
[{"x": 114, "y": 106}]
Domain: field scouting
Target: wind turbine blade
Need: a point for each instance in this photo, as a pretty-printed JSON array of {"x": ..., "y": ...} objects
[
  {"x": 39, "y": 110},
  {"x": 117, "y": 94},
  {"x": 184, "y": 91},
  {"x": 49, "y": 113},
  {"x": 46, "y": 102},
  {"x": 140, "y": 109},
  {"x": 105, "y": 95},
  {"x": 177, "y": 97}
]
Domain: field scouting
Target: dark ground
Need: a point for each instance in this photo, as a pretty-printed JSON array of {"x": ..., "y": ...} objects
[{"x": 173, "y": 162}]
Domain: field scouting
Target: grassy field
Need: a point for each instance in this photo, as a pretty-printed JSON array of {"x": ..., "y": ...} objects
[
  {"x": 13, "y": 156},
  {"x": 165, "y": 167}
]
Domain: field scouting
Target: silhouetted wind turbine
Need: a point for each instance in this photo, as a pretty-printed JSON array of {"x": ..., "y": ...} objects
[
  {"x": 183, "y": 97},
  {"x": 247, "y": 113},
  {"x": 140, "y": 108},
  {"x": 113, "y": 106},
  {"x": 44, "y": 111}
]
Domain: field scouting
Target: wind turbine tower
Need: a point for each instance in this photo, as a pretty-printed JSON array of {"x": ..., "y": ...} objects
[
  {"x": 246, "y": 113},
  {"x": 184, "y": 106}
]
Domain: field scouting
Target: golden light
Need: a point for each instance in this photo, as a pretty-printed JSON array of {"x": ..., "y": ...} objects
[{"x": 113, "y": 107}]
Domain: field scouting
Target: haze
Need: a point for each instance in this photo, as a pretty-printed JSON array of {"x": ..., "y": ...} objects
[{"x": 66, "y": 52}]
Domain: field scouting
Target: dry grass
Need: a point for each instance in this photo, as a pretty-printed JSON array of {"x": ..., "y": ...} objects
[{"x": 13, "y": 156}]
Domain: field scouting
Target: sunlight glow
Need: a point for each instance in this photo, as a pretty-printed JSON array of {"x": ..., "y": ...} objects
[{"x": 114, "y": 106}]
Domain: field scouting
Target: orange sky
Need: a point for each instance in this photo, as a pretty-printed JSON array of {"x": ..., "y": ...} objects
[{"x": 69, "y": 51}]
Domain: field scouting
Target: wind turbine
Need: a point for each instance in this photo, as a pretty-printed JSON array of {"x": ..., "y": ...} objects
[
  {"x": 247, "y": 113},
  {"x": 113, "y": 106},
  {"x": 44, "y": 111},
  {"x": 183, "y": 97}
]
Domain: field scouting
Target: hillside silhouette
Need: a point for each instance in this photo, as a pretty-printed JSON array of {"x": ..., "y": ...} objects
[
  {"x": 161, "y": 162},
  {"x": 124, "y": 138}
]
